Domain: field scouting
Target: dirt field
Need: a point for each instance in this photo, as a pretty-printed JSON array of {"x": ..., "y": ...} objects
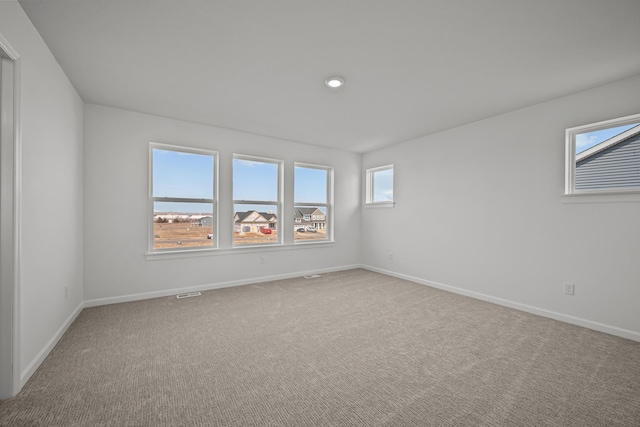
[
  {"x": 180, "y": 235},
  {"x": 256, "y": 238},
  {"x": 320, "y": 235},
  {"x": 184, "y": 235}
]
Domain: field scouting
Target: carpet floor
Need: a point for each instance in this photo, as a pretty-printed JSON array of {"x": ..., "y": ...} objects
[{"x": 351, "y": 348}]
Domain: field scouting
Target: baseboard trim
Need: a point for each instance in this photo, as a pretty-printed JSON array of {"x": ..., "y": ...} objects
[
  {"x": 37, "y": 361},
  {"x": 170, "y": 292},
  {"x": 608, "y": 329}
]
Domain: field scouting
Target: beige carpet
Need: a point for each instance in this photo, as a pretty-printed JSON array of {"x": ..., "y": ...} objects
[{"x": 351, "y": 348}]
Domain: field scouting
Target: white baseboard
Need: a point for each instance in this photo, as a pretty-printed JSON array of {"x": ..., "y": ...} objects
[
  {"x": 35, "y": 363},
  {"x": 170, "y": 292},
  {"x": 608, "y": 329}
]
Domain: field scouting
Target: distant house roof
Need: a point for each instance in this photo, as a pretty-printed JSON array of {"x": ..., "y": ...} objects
[
  {"x": 243, "y": 216},
  {"x": 608, "y": 143},
  {"x": 301, "y": 212},
  {"x": 269, "y": 216}
]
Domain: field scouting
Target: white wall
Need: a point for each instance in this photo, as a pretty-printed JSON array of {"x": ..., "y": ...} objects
[
  {"x": 51, "y": 257},
  {"x": 488, "y": 198},
  {"x": 116, "y": 207}
]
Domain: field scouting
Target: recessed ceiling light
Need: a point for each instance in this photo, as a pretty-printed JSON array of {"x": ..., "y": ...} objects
[{"x": 334, "y": 82}]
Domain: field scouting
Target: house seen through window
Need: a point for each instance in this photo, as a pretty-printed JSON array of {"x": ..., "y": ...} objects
[
  {"x": 604, "y": 157},
  {"x": 184, "y": 201},
  {"x": 312, "y": 195},
  {"x": 183, "y": 198},
  {"x": 256, "y": 200}
]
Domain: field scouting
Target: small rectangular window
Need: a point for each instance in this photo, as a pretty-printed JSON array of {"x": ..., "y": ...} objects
[
  {"x": 313, "y": 186},
  {"x": 379, "y": 185},
  {"x": 256, "y": 200},
  {"x": 603, "y": 157},
  {"x": 182, "y": 198}
]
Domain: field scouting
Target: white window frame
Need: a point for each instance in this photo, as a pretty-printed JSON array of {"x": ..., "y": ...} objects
[
  {"x": 370, "y": 186},
  {"x": 328, "y": 205},
  {"x": 213, "y": 201},
  {"x": 570, "y": 157},
  {"x": 278, "y": 204}
]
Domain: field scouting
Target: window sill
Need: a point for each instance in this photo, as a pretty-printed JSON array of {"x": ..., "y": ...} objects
[
  {"x": 380, "y": 205},
  {"x": 193, "y": 253},
  {"x": 602, "y": 197}
]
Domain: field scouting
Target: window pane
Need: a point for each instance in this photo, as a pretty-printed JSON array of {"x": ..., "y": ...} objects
[
  {"x": 383, "y": 186},
  {"x": 607, "y": 158},
  {"x": 182, "y": 225},
  {"x": 180, "y": 174},
  {"x": 586, "y": 140},
  {"x": 310, "y": 185},
  {"x": 310, "y": 223},
  {"x": 254, "y": 180},
  {"x": 255, "y": 224}
]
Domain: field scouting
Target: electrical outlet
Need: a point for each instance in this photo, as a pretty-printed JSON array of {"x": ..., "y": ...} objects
[
  {"x": 263, "y": 260},
  {"x": 390, "y": 256},
  {"x": 569, "y": 289}
]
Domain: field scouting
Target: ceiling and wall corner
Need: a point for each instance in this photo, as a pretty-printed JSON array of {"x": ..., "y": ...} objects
[{"x": 413, "y": 67}]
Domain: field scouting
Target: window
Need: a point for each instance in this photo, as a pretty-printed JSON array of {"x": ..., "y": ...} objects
[
  {"x": 256, "y": 200},
  {"x": 379, "y": 185},
  {"x": 183, "y": 196},
  {"x": 603, "y": 157},
  {"x": 313, "y": 188}
]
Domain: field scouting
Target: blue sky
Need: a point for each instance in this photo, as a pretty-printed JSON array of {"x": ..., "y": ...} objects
[
  {"x": 178, "y": 174},
  {"x": 584, "y": 141},
  {"x": 383, "y": 186},
  {"x": 310, "y": 185},
  {"x": 187, "y": 175}
]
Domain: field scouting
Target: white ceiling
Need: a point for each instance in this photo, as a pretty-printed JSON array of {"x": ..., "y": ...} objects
[{"x": 411, "y": 67}]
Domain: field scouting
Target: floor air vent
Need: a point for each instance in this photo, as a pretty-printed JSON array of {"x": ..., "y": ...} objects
[
  {"x": 312, "y": 276},
  {"x": 188, "y": 295}
]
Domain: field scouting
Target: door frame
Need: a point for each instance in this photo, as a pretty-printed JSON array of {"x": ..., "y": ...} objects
[{"x": 10, "y": 227}]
